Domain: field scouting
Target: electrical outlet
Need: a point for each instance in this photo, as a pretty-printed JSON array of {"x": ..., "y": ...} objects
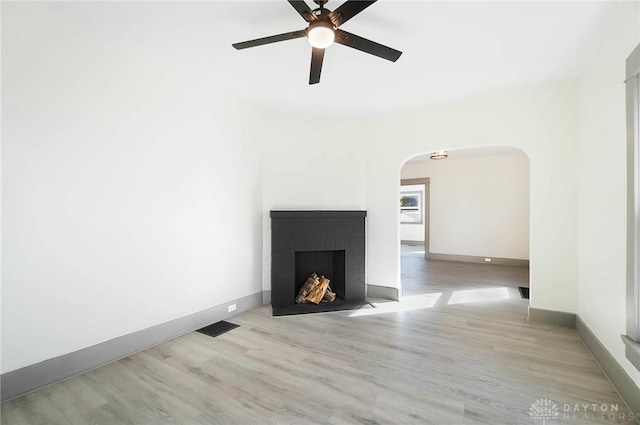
[
  {"x": 487, "y": 260},
  {"x": 231, "y": 308}
]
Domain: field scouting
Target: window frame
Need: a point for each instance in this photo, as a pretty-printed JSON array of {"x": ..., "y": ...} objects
[
  {"x": 419, "y": 208},
  {"x": 632, "y": 88}
]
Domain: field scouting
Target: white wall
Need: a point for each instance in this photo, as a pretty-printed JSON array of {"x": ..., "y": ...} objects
[
  {"x": 131, "y": 198},
  {"x": 602, "y": 189},
  {"x": 123, "y": 202},
  {"x": 479, "y": 206},
  {"x": 363, "y": 156},
  {"x": 309, "y": 164},
  {"x": 541, "y": 121},
  {"x": 414, "y": 231}
]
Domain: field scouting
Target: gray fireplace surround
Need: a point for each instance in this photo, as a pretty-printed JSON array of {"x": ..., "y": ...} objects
[{"x": 329, "y": 243}]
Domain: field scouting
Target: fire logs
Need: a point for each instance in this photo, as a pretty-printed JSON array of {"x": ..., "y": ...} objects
[{"x": 315, "y": 290}]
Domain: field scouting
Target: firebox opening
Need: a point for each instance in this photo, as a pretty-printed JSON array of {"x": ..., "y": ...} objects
[{"x": 330, "y": 264}]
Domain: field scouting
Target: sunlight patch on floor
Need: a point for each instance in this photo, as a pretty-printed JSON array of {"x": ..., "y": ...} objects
[
  {"x": 410, "y": 302},
  {"x": 475, "y": 295}
]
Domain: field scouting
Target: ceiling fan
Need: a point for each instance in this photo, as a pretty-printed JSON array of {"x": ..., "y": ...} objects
[{"x": 323, "y": 31}]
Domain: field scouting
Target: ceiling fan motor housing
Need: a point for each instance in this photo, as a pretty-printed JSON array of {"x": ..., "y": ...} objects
[{"x": 322, "y": 13}]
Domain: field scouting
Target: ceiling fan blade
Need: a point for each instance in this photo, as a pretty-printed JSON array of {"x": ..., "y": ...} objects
[
  {"x": 348, "y": 10},
  {"x": 317, "y": 56},
  {"x": 271, "y": 39},
  {"x": 367, "y": 46},
  {"x": 305, "y": 11}
]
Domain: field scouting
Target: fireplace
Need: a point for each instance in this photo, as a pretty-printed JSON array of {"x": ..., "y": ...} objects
[
  {"x": 323, "y": 263},
  {"x": 329, "y": 243}
]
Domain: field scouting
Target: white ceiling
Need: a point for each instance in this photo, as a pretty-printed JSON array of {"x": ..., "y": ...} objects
[{"x": 452, "y": 49}]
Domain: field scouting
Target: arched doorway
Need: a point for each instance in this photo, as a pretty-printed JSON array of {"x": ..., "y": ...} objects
[{"x": 468, "y": 211}]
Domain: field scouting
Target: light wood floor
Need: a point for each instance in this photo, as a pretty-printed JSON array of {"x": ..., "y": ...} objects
[{"x": 465, "y": 356}]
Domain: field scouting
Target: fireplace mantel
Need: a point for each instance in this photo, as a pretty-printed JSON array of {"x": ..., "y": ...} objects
[{"x": 332, "y": 242}]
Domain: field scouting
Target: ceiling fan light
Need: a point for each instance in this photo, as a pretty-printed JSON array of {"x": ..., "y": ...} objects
[{"x": 321, "y": 34}]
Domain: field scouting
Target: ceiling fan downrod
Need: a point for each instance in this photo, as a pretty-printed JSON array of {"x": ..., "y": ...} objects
[{"x": 321, "y": 11}]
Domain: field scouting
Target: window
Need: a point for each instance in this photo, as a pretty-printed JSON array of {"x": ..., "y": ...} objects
[
  {"x": 411, "y": 204},
  {"x": 632, "y": 339}
]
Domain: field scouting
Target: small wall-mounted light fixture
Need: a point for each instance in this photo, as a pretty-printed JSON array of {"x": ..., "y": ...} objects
[{"x": 438, "y": 155}]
